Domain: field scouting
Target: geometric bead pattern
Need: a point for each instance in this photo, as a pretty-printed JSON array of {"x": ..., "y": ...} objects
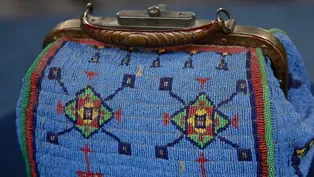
[
  {"x": 200, "y": 121},
  {"x": 88, "y": 112}
]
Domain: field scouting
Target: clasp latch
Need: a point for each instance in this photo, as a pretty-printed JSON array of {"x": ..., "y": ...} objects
[{"x": 156, "y": 16}]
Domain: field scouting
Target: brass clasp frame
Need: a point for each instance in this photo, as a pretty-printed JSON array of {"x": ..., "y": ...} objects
[{"x": 157, "y": 27}]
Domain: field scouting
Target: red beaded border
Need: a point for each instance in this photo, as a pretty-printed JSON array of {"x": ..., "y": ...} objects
[
  {"x": 259, "y": 103},
  {"x": 33, "y": 96}
]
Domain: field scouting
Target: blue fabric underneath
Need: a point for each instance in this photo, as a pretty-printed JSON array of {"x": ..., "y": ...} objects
[{"x": 298, "y": 121}]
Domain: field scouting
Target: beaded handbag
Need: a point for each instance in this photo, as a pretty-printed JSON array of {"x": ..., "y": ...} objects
[{"x": 158, "y": 93}]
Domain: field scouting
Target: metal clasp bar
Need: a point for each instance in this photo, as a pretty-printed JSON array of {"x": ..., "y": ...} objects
[{"x": 156, "y": 16}]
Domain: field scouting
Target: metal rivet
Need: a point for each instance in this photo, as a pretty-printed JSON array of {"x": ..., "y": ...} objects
[
  {"x": 153, "y": 11},
  {"x": 224, "y": 41}
]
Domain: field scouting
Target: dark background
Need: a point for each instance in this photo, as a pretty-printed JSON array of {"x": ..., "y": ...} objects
[{"x": 24, "y": 24}]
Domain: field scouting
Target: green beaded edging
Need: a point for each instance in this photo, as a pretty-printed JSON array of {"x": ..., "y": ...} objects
[
  {"x": 267, "y": 115},
  {"x": 25, "y": 102}
]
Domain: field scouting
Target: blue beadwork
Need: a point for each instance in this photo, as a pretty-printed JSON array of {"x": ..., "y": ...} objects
[{"x": 184, "y": 114}]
